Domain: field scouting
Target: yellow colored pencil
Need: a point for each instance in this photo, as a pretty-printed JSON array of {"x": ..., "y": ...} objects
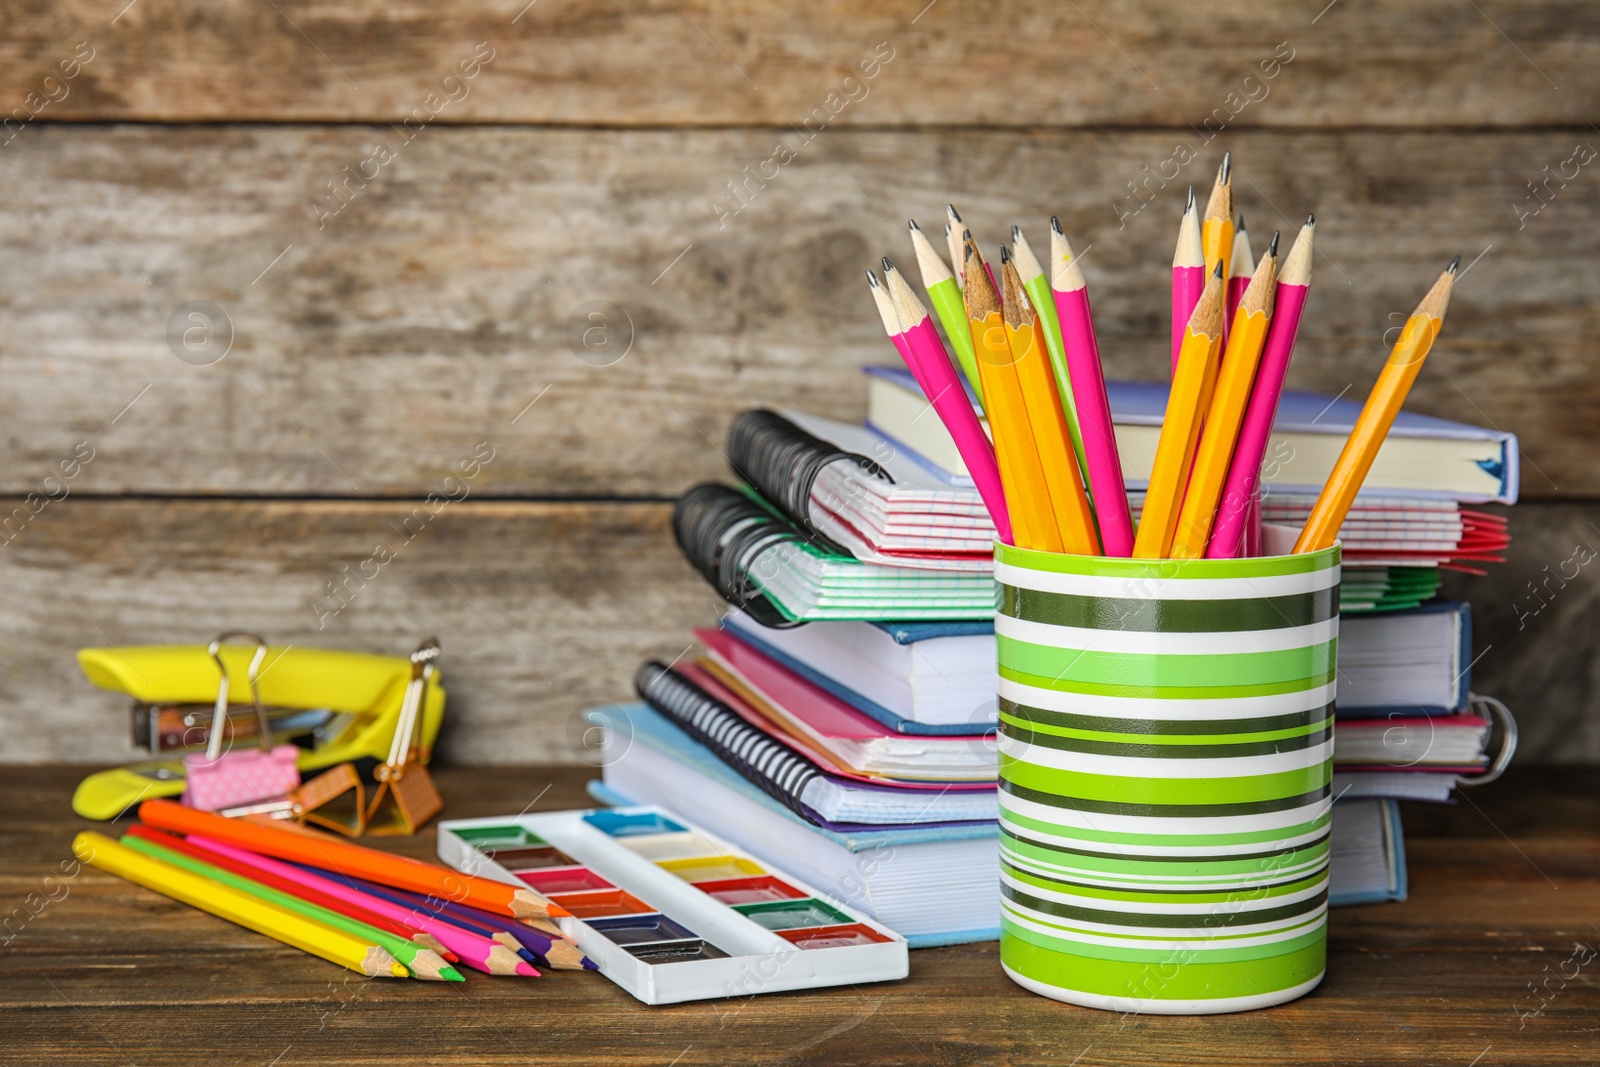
[
  {"x": 1052, "y": 436},
  {"x": 110, "y": 856},
  {"x": 1180, "y": 427},
  {"x": 1220, "y": 431},
  {"x": 1033, "y": 522},
  {"x": 1377, "y": 416}
]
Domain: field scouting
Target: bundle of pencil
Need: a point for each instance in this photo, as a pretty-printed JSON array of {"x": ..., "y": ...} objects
[
  {"x": 1048, "y": 469},
  {"x": 376, "y": 913}
]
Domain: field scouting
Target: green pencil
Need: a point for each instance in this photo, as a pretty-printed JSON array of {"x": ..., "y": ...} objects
[
  {"x": 1037, "y": 285},
  {"x": 945, "y": 295},
  {"x": 421, "y": 962}
]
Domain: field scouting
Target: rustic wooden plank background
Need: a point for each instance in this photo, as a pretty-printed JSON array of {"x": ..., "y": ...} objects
[{"x": 377, "y": 329}]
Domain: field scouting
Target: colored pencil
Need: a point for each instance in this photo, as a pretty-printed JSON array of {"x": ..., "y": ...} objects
[
  {"x": 216, "y": 859},
  {"x": 959, "y": 236},
  {"x": 1069, "y": 503},
  {"x": 1180, "y": 427},
  {"x": 381, "y": 867},
  {"x": 1036, "y": 286},
  {"x": 1033, "y": 523},
  {"x": 1216, "y": 224},
  {"x": 1241, "y": 268},
  {"x": 422, "y": 962},
  {"x": 1377, "y": 415},
  {"x": 939, "y": 282},
  {"x": 925, "y": 354},
  {"x": 1220, "y": 430},
  {"x": 1241, "y": 492},
  {"x": 335, "y": 946},
  {"x": 1188, "y": 274},
  {"x": 891, "y": 326},
  {"x": 953, "y": 229},
  {"x": 1070, "y": 294},
  {"x": 533, "y": 945},
  {"x": 423, "y": 905},
  {"x": 481, "y": 954}
]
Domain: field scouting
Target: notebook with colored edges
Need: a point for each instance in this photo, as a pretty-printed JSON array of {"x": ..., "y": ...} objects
[
  {"x": 935, "y": 884},
  {"x": 850, "y": 667},
  {"x": 1422, "y": 455},
  {"x": 783, "y": 769},
  {"x": 673, "y": 913},
  {"x": 823, "y": 721},
  {"x": 1454, "y": 743}
]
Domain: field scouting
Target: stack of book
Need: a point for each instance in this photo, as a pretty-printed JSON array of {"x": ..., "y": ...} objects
[{"x": 859, "y": 748}]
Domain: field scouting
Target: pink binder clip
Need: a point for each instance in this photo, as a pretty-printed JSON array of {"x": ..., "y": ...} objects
[{"x": 216, "y": 779}]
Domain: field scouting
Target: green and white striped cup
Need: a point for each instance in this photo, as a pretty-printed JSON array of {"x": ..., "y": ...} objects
[{"x": 1166, "y": 745}]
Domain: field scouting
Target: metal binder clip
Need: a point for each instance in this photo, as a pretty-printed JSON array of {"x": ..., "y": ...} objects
[
  {"x": 405, "y": 797},
  {"x": 1493, "y": 710},
  {"x": 217, "y": 779}
]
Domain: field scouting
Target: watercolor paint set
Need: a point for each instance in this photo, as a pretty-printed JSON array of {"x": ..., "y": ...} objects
[{"x": 671, "y": 913}]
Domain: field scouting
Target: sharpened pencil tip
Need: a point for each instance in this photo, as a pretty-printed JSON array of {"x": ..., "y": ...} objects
[
  {"x": 1005, "y": 254},
  {"x": 1218, "y": 272},
  {"x": 1272, "y": 247},
  {"x": 947, "y": 230},
  {"x": 1311, "y": 219},
  {"x": 1240, "y": 225},
  {"x": 888, "y": 266},
  {"x": 1055, "y": 226},
  {"x": 872, "y": 279},
  {"x": 1188, "y": 205},
  {"x": 912, "y": 223},
  {"x": 954, "y": 214},
  {"x": 1454, "y": 263},
  {"x": 1016, "y": 234},
  {"x": 1226, "y": 170}
]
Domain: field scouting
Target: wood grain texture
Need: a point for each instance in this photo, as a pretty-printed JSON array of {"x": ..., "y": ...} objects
[
  {"x": 544, "y": 610},
  {"x": 1501, "y": 892},
  {"x": 451, "y": 291},
  {"x": 761, "y": 63}
]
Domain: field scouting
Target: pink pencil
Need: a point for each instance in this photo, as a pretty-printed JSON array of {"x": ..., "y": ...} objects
[
  {"x": 1241, "y": 265},
  {"x": 1244, "y": 472},
  {"x": 924, "y": 353},
  {"x": 1100, "y": 453},
  {"x": 477, "y": 952},
  {"x": 1188, "y": 273}
]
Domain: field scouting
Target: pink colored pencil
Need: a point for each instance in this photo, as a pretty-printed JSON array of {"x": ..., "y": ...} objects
[
  {"x": 1188, "y": 274},
  {"x": 1244, "y": 472},
  {"x": 930, "y": 364},
  {"x": 1252, "y": 525},
  {"x": 1241, "y": 265},
  {"x": 477, "y": 952},
  {"x": 1100, "y": 453}
]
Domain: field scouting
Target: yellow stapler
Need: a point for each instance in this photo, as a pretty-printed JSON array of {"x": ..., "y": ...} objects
[{"x": 354, "y": 699}]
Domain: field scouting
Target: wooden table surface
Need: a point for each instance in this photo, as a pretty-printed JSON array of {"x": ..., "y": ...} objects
[{"x": 1505, "y": 900}]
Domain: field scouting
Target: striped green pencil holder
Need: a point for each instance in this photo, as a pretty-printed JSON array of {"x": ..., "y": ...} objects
[{"x": 1166, "y": 746}]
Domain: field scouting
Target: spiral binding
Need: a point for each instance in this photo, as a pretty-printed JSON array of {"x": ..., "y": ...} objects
[
  {"x": 722, "y": 531},
  {"x": 774, "y": 768},
  {"x": 782, "y": 461}
]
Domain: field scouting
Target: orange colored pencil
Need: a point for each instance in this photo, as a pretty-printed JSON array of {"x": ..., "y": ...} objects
[
  {"x": 1033, "y": 522},
  {"x": 329, "y": 854},
  {"x": 1216, "y": 227},
  {"x": 1221, "y": 428},
  {"x": 1052, "y": 437},
  {"x": 1377, "y": 416},
  {"x": 1180, "y": 427}
]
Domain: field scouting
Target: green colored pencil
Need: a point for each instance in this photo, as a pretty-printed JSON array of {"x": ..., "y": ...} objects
[
  {"x": 421, "y": 962},
  {"x": 1037, "y": 285},
  {"x": 945, "y": 295}
]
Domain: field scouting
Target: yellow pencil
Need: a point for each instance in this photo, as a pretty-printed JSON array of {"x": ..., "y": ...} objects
[
  {"x": 333, "y": 945},
  {"x": 1216, "y": 226},
  {"x": 1052, "y": 437},
  {"x": 1377, "y": 415},
  {"x": 1221, "y": 427},
  {"x": 1033, "y": 522},
  {"x": 1180, "y": 427}
]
